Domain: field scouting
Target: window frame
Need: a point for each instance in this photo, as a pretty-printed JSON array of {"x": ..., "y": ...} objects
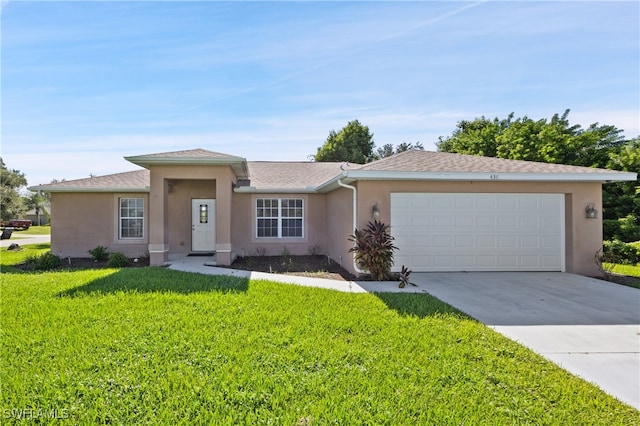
[
  {"x": 121, "y": 218},
  {"x": 280, "y": 217}
]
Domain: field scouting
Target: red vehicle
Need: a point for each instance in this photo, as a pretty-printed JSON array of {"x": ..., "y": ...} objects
[{"x": 23, "y": 224}]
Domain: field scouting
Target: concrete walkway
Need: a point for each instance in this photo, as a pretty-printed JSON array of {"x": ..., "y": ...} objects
[{"x": 589, "y": 327}]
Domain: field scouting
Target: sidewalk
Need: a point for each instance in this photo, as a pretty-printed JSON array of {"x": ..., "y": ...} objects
[{"x": 190, "y": 264}]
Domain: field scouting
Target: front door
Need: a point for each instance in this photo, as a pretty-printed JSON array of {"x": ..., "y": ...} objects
[{"x": 203, "y": 225}]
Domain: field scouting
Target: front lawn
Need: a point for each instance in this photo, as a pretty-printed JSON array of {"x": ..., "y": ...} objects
[
  {"x": 35, "y": 230},
  {"x": 151, "y": 345}
]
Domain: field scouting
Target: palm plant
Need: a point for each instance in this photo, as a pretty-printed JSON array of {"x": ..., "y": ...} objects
[{"x": 373, "y": 248}]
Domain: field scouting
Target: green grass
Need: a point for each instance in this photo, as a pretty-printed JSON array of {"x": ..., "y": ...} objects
[
  {"x": 34, "y": 230},
  {"x": 10, "y": 258},
  {"x": 629, "y": 270},
  {"x": 151, "y": 345}
]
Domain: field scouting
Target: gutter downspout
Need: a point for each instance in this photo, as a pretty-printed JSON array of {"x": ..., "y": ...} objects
[{"x": 355, "y": 219}]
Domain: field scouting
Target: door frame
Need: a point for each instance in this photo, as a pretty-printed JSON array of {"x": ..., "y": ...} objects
[{"x": 197, "y": 227}]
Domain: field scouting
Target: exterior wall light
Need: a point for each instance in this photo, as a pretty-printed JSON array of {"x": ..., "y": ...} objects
[
  {"x": 590, "y": 211},
  {"x": 375, "y": 211}
]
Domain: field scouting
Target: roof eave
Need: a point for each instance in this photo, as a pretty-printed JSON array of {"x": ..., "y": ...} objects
[
  {"x": 254, "y": 190},
  {"x": 497, "y": 176},
  {"x": 238, "y": 164},
  {"x": 79, "y": 190}
]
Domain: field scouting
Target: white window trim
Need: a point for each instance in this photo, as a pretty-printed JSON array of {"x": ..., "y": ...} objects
[
  {"x": 119, "y": 218},
  {"x": 279, "y": 218}
]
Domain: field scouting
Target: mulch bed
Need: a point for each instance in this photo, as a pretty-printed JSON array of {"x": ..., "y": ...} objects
[
  {"x": 310, "y": 266},
  {"x": 317, "y": 266},
  {"x": 77, "y": 263}
]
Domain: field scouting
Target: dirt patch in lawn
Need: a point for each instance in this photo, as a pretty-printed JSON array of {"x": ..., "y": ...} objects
[{"x": 308, "y": 266}]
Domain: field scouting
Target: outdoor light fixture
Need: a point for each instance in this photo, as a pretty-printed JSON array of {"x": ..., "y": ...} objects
[
  {"x": 375, "y": 211},
  {"x": 590, "y": 211}
]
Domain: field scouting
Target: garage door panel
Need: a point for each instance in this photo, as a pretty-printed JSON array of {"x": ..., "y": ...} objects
[{"x": 483, "y": 232}]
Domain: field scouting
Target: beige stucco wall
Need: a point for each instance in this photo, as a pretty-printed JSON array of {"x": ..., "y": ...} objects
[
  {"x": 169, "y": 214},
  {"x": 243, "y": 226},
  {"x": 339, "y": 217},
  {"x": 583, "y": 237},
  {"x": 179, "y": 210},
  {"x": 82, "y": 221}
]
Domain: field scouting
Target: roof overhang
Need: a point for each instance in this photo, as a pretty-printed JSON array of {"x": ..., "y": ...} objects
[
  {"x": 52, "y": 188},
  {"x": 254, "y": 190},
  {"x": 237, "y": 164},
  {"x": 355, "y": 175}
]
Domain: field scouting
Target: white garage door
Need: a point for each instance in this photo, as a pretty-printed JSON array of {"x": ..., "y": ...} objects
[{"x": 478, "y": 232}]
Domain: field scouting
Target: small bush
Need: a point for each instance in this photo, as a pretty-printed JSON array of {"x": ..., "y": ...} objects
[
  {"x": 625, "y": 229},
  {"x": 47, "y": 261},
  {"x": 373, "y": 248},
  {"x": 616, "y": 251},
  {"x": 404, "y": 276},
  {"x": 314, "y": 250},
  {"x": 99, "y": 253},
  {"x": 117, "y": 260},
  {"x": 31, "y": 259}
]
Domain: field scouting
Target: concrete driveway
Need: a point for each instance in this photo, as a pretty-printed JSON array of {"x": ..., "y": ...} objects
[{"x": 587, "y": 326}]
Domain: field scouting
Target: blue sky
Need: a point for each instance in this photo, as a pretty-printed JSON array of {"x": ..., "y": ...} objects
[{"x": 86, "y": 83}]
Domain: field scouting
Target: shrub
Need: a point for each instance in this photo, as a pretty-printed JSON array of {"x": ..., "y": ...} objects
[
  {"x": 117, "y": 260},
  {"x": 99, "y": 253},
  {"x": 314, "y": 250},
  {"x": 616, "y": 251},
  {"x": 625, "y": 229},
  {"x": 629, "y": 229},
  {"x": 47, "y": 261},
  {"x": 404, "y": 276},
  {"x": 373, "y": 248}
]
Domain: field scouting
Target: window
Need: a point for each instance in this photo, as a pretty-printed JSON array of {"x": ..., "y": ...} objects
[
  {"x": 279, "y": 217},
  {"x": 131, "y": 218}
]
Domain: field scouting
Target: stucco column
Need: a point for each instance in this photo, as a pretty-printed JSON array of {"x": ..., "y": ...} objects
[
  {"x": 158, "y": 245},
  {"x": 223, "y": 221}
]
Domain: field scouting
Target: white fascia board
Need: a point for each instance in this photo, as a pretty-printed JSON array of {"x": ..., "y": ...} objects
[
  {"x": 254, "y": 190},
  {"x": 479, "y": 176},
  {"x": 79, "y": 190},
  {"x": 239, "y": 164}
]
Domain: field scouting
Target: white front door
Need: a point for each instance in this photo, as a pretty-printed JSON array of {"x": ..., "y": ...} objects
[{"x": 203, "y": 225}]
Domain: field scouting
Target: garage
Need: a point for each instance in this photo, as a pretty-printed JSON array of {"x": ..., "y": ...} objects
[{"x": 478, "y": 232}]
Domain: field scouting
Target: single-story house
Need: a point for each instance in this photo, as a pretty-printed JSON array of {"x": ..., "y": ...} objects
[{"x": 447, "y": 212}]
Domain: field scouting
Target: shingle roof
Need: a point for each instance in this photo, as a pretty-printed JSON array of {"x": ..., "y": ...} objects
[
  {"x": 137, "y": 180},
  {"x": 188, "y": 154},
  {"x": 290, "y": 175},
  {"x": 427, "y": 161},
  {"x": 312, "y": 176}
]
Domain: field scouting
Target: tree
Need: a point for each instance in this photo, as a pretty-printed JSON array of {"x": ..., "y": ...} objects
[
  {"x": 548, "y": 141},
  {"x": 38, "y": 202},
  {"x": 10, "y": 182},
  {"x": 387, "y": 150},
  {"x": 621, "y": 199},
  {"x": 354, "y": 143}
]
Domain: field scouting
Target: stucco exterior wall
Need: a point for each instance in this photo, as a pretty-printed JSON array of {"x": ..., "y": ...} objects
[
  {"x": 82, "y": 221},
  {"x": 179, "y": 210},
  {"x": 583, "y": 237},
  {"x": 339, "y": 217},
  {"x": 186, "y": 182},
  {"x": 243, "y": 226}
]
